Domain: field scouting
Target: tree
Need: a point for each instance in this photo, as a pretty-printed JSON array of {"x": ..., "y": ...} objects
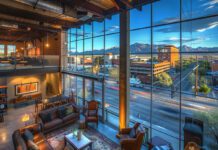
[
  {"x": 210, "y": 120},
  {"x": 114, "y": 73},
  {"x": 164, "y": 79},
  {"x": 204, "y": 89},
  {"x": 154, "y": 59},
  {"x": 192, "y": 78}
]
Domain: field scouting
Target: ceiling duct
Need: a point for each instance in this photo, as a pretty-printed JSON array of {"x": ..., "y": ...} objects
[
  {"x": 51, "y": 6},
  {"x": 8, "y": 25},
  {"x": 42, "y": 4}
]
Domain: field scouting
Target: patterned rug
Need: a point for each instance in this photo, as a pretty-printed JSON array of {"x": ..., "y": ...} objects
[{"x": 100, "y": 142}]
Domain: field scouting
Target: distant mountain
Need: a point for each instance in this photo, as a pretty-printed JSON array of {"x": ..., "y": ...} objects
[{"x": 140, "y": 48}]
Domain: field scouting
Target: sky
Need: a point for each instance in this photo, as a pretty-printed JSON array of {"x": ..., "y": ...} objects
[{"x": 198, "y": 33}]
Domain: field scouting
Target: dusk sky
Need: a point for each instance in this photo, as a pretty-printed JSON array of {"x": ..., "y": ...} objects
[{"x": 198, "y": 33}]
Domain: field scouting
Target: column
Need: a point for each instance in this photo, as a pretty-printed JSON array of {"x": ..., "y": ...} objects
[{"x": 124, "y": 70}]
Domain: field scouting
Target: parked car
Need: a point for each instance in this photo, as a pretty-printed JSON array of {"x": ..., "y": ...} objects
[{"x": 135, "y": 82}]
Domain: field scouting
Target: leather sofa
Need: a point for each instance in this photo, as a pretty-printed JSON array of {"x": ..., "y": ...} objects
[
  {"x": 55, "y": 119},
  {"x": 38, "y": 138}
]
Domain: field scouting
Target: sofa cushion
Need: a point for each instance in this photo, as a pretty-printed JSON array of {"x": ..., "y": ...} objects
[
  {"x": 69, "y": 110},
  {"x": 44, "y": 146},
  {"x": 132, "y": 133},
  {"x": 31, "y": 145},
  {"x": 61, "y": 112},
  {"x": 46, "y": 117},
  {"x": 193, "y": 128},
  {"x": 92, "y": 119},
  {"x": 54, "y": 114},
  {"x": 124, "y": 136},
  {"x": 92, "y": 112},
  {"x": 52, "y": 123},
  {"x": 27, "y": 135},
  {"x": 70, "y": 117}
]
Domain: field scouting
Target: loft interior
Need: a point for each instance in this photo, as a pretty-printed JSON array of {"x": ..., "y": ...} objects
[{"x": 108, "y": 75}]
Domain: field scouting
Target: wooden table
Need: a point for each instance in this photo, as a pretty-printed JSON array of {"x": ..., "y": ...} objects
[{"x": 78, "y": 144}]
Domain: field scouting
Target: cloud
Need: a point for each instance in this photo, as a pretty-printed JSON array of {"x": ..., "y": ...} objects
[
  {"x": 210, "y": 26},
  {"x": 168, "y": 20},
  {"x": 194, "y": 26},
  {"x": 184, "y": 40},
  {"x": 112, "y": 29}
]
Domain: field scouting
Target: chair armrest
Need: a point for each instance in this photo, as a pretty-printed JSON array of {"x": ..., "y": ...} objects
[
  {"x": 40, "y": 122},
  {"x": 125, "y": 130},
  {"x": 76, "y": 108},
  {"x": 34, "y": 128}
]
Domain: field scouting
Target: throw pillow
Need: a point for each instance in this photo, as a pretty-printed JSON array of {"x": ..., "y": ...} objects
[
  {"x": 31, "y": 145},
  {"x": 69, "y": 110},
  {"x": 62, "y": 112},
  {"x": 92, "y": 112},
  {"x": 27, "y": 135},
  {"x": 132, "y": 133},
  {"x": 46, "y": 117}
]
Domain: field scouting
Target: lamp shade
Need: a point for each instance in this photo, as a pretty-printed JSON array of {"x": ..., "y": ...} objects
[{"x": 25, "y": 118}]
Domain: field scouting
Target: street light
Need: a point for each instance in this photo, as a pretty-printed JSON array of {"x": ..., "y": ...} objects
[{"x": 196, "y": 76}]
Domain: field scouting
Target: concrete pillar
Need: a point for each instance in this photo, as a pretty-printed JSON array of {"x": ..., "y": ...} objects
[
  {"x": 64, "y": 48},
  {"x": 124, "y": 70}
]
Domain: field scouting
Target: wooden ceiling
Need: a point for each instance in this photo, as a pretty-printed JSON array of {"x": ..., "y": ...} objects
[{"x": 29, "y": 19}]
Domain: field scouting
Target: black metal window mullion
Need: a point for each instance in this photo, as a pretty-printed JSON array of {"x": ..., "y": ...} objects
[{"x": 151, "y": 103}]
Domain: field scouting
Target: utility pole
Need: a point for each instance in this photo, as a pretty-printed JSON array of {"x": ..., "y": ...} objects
[{"x": 196, "y": 77}]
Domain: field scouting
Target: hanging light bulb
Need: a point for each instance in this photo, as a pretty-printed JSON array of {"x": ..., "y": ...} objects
[{"x": 47, "y": 44}]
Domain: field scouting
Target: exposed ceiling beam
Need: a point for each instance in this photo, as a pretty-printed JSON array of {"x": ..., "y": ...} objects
[
  {"x": 137, "y": 3},
  {"x": 116, "y": 4},
  {"x": 35, "y": 4},
  {"x": 127, "y": 3}
]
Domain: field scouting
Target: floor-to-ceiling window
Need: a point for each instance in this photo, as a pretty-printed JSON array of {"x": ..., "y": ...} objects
[
  {"x": 173, "y": 68},
  {"x": 2, "y": 50},
  {"x": 93, "y": 49}
]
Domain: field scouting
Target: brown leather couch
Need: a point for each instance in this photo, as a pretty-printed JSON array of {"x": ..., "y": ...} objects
[
  {"x": 131, "y": 143},
  {"x": 38, "y": 138},
  {"x": 57, "y": 121}
]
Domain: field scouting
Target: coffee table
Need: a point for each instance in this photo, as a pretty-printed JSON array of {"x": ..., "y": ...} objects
[{"x": 78, "y": 144}]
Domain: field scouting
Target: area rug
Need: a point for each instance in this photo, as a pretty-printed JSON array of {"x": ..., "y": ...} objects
[{"x": 100, "y": 142}]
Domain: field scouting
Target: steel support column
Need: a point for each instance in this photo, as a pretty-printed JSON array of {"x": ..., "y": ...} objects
[{"x": 124, "y": 70}]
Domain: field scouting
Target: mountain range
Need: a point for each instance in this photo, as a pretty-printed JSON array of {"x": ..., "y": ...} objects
[{"x": 140, "y": 48}]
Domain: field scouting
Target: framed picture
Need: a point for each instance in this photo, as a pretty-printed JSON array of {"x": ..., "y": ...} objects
[{"x": 26, "y": 88}]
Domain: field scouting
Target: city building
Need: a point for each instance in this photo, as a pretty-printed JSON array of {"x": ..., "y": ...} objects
[
  {"x": 143, "y": 71},
  {"x": 169, "y": 53},
  {"x": 108, "y": 74}
]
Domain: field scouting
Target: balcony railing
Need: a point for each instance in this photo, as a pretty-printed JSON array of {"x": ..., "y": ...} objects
[{"x": 14, "y": 63}]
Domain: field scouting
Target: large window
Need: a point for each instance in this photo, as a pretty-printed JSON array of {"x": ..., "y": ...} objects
[
  {"x": 93, "y": 50},
  {"x": 11, "y": 49},
  {"x": 2, "y": 50},
  {"x": 173, "y": 68}
]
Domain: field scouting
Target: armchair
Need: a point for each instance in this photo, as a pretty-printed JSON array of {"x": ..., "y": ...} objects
[
  {"x": 92, "y": 112},
  {"x": 128, "y": 142}
]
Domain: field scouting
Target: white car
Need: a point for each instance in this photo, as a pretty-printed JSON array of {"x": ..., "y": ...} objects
[{"x": 135, "y": 82}]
